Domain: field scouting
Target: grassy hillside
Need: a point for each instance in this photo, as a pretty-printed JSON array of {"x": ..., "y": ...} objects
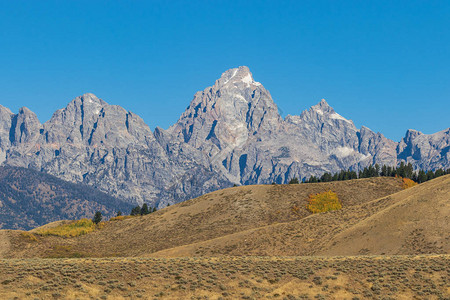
[
  {"x": 212, "y": 216},
  {"x": 418, "y": 221},
  {"x": 29, "y": 199},
  {"x": 413, "y": 221}
]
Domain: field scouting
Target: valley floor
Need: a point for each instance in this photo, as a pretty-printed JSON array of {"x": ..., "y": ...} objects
[{"x": 351, "y": 277}]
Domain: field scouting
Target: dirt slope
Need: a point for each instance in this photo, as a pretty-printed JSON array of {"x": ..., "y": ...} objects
[
  {"x": 208, "y": 217},
  {"x": 418, "y": 222},
  {"x": 413, "y": 221}
]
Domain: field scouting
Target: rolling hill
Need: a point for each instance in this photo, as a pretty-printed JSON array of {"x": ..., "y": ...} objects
[
  {"x": 378, "y": 217},
  {"x": 213, "y": 216}
]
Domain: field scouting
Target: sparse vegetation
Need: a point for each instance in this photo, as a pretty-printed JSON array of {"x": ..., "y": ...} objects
[
  {"x": 29, "y": 236},
  {"x": 120, "y": 218},
  {"x": 275, "y": 223},
  {"x": 323, "y": 202},
  {"x": 73, "y": 229},
  {"x": 381, "y": 277}
]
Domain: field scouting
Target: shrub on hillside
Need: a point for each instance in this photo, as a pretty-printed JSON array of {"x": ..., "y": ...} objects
[
  {"x": 407, "y": 183},
  {"x": 323, "y": 202},
  {"x": 75, "y": 228}
]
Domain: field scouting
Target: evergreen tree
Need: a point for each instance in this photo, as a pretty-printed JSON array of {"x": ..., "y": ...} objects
[
  {"x": 377, "y": 170},
  {"x": 409, "y": 171},
  {"x": 438, "y": 173},
  {"x": 135, "y": 211},
  {"x": 119, "y": 213},
  {"x": 384, "y": 171},
  {"x": 144, "y": 209},
  {"x": 294, "y": 181},
  {"x": 326, "y": 177},
  {"x": 421, "y": 176},
  {"x": 97, "y": 217}
]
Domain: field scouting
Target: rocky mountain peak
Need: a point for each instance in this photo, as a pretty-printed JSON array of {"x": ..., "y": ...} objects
[
  {"x": 88, "y": 103},
  {"x": 237, "y": 77},
  {"x": 322, "y": 108},
  {"x": 411, "y": 134},
  {"x": 90, "y": 120},
  {"x": 226, "y": 114},
  {"x": 25, "y": 126},
  {"x": 319, "y": 114}
]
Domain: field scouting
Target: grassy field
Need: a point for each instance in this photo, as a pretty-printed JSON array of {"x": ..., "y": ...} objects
[{"x": 364, "y": 277}]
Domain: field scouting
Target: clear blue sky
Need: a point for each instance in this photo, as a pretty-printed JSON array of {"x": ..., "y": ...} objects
[{"x": 383, "y": 64}]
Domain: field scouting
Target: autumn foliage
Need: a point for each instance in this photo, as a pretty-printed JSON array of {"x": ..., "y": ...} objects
[
  {"x": 74, "y": 228},
  {"x": 323, "y": 202},
  {"x": 407, "y": 183}
]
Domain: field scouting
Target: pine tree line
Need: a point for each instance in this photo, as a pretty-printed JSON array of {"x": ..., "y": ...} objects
[
  {"x": 144, "y": 210},
  {"x": 403, "y": 170}
]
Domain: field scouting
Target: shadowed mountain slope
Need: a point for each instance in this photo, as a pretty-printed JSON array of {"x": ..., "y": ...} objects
[{"x": 29, "y": 199}]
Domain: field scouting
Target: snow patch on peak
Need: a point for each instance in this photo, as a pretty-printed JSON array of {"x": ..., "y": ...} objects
[
  {"x": 232, "y": 76},
  {"x": 239, "y": 97},
  {"x": 237, "y": 75},
  {"x": 344, "y": 152},
  {"x": 248, "y": 79},
  {"x": 319, "y": 111},
  {"x": 337, "y": 116}
]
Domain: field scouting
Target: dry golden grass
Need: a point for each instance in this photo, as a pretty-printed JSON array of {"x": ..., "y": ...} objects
[
  {"x": 29, "y": 236},
  {"x": 413, "y": 221},
  {"x": 397, "y": 277},
  {"x": 121, "y": 218}
]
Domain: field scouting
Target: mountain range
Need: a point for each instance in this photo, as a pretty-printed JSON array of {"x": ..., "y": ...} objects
[{"x": 231, "y": 133}]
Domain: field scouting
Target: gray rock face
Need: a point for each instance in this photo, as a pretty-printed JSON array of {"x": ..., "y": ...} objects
[
  {"x": 231, "y": 133},
  {"x": 104, "y": 146},
  {"x": 426, "y": 151},
  {"x": 237, "y": 125}
]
